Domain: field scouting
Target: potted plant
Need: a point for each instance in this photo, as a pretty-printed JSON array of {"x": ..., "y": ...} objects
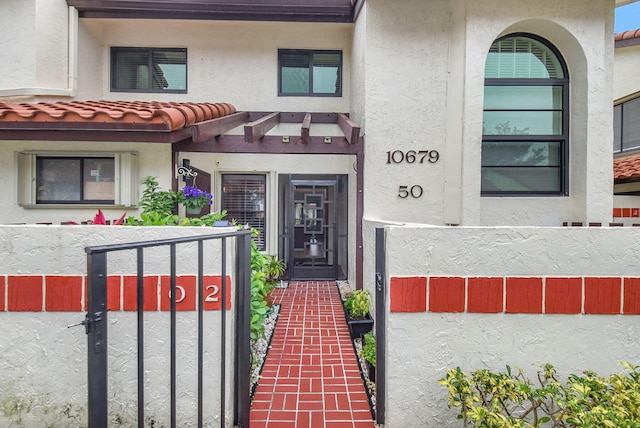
[
  {"x": 369, "y": 354},
  {"x": 357, "y": 313},
  {"x": 195, "y": 199}
]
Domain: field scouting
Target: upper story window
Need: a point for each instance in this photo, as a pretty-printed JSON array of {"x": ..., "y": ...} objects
[
  {"x": 626, "y": 126},
  {"x": 309, "y": 73},
  {"x": 77, "y": 179},
  {"x": 525, "y": 122},
  {"x": 148, "y": 70}
]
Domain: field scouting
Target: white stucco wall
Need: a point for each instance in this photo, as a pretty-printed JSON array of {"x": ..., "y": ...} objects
[
  {"x": 229, "y": 61},
  {"x": 153, "y": 159},
  {"x": 43, "y": 369},
  {"x": 422, "y": 346},
  {"x": 625, "y": 67},
  {"x": 426, "y": 82}
]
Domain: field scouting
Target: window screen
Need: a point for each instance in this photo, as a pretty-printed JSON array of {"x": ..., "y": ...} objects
[
  {"x": 310, "y": 73},
  {"x": 244, "y": 199},
  {"x": 148, "y": 70}
]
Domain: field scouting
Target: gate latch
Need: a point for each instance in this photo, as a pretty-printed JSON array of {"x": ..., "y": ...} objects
[{"x": 88, "y": 320}]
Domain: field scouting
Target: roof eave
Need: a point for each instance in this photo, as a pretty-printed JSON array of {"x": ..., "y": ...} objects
[{"x": 339, "y": 11}]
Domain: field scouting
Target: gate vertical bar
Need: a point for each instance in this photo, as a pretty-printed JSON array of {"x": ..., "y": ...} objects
[
  {"x": 96, "y": 328},
  {"x": 223, "y": 345},
  {"x": 140, "y": 308},
  {"x": 243, "y": 315},
  {"x": 173, "y": 336},
  {"x": 200, "y": 301},
  {"x": 381, "y": 323}
]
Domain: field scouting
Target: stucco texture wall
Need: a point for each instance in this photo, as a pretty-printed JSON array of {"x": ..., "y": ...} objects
[
  {"x": 153, "y": 159},
  {"x": 427, "y": 58},
  {"x": 422, "y": 344},
  {"x": 228, "y": 61},
  {"x": 625, "y": 68},
  {"x": 43, "y": 369}
]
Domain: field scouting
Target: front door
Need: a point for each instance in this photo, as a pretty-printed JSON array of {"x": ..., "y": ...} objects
[{"x": 315, "y": 234}]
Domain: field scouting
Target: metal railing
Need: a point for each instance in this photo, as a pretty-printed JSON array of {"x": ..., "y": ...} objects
[
  {"x": 96, "y": 327},
  {"x": 380, "y": 327}
]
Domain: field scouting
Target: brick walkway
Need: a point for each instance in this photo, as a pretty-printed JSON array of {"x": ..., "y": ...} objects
[{"x": 310, "y": 378}]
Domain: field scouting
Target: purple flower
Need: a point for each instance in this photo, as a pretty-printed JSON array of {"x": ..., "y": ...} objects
[{"x": 196, "y": 198}]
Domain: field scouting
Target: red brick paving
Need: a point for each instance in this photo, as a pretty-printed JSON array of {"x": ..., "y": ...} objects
[{"x": 311, "y": 377}]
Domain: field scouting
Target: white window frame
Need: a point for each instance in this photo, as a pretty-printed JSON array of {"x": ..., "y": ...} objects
[{"x": 125, "y": 169}]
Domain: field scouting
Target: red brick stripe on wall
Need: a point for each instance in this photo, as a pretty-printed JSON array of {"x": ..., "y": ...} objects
[
  {"x": 2, "y": 293},
  {"x": 446, "y": 294},
  {"x": 24, "y": 293},
  {"x": 524, "y": 295},
  {"x": 602, "y": 295},
  {"x": 486, "y": 295},
  {"x": 63, "y": 293},
  {"x": 54, "y": 293},
  {"x": 563, "y": 296},
  {"x": 631, "y": 296},
  {"x": 114, "y": 285},
  {"x": 150, "y": 293},
  {"x": 408, "y": 294}
]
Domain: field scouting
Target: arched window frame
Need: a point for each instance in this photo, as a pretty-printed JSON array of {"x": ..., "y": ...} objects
[{"x": 562, "y": 137}]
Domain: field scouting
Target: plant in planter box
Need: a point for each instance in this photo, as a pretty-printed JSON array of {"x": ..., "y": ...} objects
[
  {"x": 357, "y": 313},
  {"x": 358, "y": 304},
  {"x": 369, "y": 354}
]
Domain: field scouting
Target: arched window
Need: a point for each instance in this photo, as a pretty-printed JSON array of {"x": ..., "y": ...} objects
[{"x": 525, "y": 122}]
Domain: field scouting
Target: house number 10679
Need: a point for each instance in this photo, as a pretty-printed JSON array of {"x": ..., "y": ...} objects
[{"x": 412, "y": 156}]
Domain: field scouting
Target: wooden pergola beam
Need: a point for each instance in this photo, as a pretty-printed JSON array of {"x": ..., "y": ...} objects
[
  {"x": 255, "y": 130},
  {"x": 350, "y": 128},
  {"x": 212, "y": 128},
  {"x": 306, "y": 126}
]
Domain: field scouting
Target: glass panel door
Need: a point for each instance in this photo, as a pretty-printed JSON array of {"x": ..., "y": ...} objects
[{"x": 312, "y": 253}]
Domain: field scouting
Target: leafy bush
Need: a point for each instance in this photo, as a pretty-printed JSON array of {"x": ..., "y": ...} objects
[
  {"x": 265, "y": 270},
  {"x": 163, "y": 202},
  {"x": 159, "y": 207},
  {"x": 506, "y": 400},
  {"x": 369, "y": 348},
  {"x": 358, "y": 304}
]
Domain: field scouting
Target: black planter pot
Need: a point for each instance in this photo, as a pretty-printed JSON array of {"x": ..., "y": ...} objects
[
  {"x": 372, "y": 372},
  {"x": 358, "y": 327}
]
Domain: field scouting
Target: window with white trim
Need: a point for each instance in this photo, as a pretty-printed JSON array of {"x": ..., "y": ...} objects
[
  {"x": 526, "y": 119},
  {"x": 60, "y": 178},
  {"x": 244, "y": 199}
]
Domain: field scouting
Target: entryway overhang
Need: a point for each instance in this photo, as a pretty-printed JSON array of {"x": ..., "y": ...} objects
[{"x": 193, "y": 127}]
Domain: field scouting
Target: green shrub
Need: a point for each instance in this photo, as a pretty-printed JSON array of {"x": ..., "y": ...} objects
[
  {"x": 369, "y": 348},
  {"x": 163, "y": 202},
  {"x": 506, "y": 400},
  {"x": 358, "y": 304}
]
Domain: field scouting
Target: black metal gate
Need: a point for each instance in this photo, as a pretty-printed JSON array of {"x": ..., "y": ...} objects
[{"x": 96, "y": 322}]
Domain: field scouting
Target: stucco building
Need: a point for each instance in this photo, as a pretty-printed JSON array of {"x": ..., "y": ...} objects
[{"x": 317, "y": 121}]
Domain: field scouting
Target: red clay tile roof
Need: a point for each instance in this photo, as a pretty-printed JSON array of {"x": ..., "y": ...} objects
[
  {"x": 626, "y": 169},
  {"x": 626, "y": 35},
  {"x": 627, "y": 38},
  {"x": 165, "y": 116}
]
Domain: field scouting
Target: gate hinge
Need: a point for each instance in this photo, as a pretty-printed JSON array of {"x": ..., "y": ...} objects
[{"x": 378, "y": 281}]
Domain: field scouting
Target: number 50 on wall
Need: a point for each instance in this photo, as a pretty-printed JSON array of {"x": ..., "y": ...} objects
[{"x": 186, "y": 295}]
